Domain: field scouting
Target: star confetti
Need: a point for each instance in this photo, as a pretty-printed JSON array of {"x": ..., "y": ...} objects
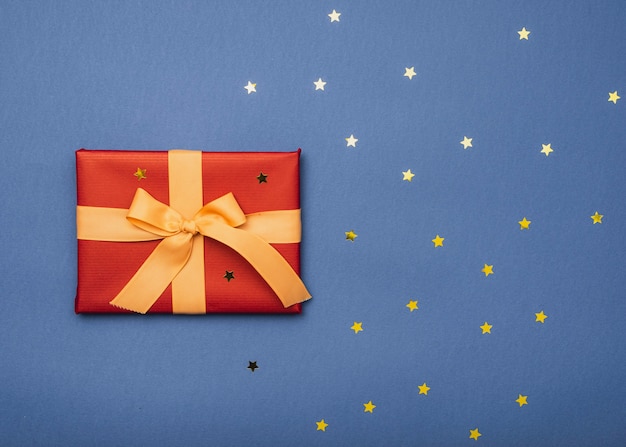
[
  {"x": 546, "y": 149},
  {"x": 521, "y": 400},
  {"x": 524, "y": 224},
  {"x": 467, "y": 142},
  {"x": 351, "y": 141},
  {"x": 424, "y": 389},
  {"x": 409, "y": 72},
  {"x": 229, "y": 275},
  {"x": 252, "y": 366},
  {"x": 487, "y": 270},
  {"x": 597, "y": 218},
  {"x": 140, "y": 174},
  {"x": 250, "y": 87},
  {"x": 540, "y": 317},
  {"x": 407, "y": 175},
  {"x": 523, "y": 34},
  {"x": 369, "y": 407},
  {"x": 351, "y": 235},
  {"x": 486, "y": 328},
  {"x": 321, "y": 425},
  {"x": 438, "y": 241},
  {"x": 357, "y": 327},
  {"x": 474, "y": 434},
  {"x": 334, "y": 16},
  {"x": 412, "y": 305},
  {"x": 319, "y": 84},
  {"x": 262, "y": 178},
  {"x": 613, "y": 97}
]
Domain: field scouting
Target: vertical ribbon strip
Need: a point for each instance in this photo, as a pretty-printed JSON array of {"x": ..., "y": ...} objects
[{"x": 185, "y": 185}]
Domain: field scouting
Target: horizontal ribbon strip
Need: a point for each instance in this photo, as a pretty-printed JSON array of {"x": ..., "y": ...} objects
[{"x": 110, "y": 224}]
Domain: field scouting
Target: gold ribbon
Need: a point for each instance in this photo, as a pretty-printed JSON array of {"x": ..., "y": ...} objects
[{"x": 179, "y": 257}]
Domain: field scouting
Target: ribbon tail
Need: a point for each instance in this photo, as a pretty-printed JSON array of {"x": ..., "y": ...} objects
[
  {"x": 155, "y": 274},
  {"x": 268, "y": 262}
]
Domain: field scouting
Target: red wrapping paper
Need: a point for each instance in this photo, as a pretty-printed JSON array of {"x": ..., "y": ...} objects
[{"x": 105, "y": 179}]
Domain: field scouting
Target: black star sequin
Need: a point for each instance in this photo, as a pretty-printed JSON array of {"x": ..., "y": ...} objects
[{"x": 252, "y": 366}]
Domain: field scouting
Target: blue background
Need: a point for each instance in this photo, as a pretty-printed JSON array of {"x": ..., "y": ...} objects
[{"x": 170, "y": 74}]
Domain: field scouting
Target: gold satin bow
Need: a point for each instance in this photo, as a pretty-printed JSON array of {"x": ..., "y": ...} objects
[{"x": 218, "y": 220}]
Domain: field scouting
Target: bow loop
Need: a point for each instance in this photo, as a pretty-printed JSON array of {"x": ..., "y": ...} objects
[
  {"x": 149, "y": 214},
  {"x": 225, "y": 208}
]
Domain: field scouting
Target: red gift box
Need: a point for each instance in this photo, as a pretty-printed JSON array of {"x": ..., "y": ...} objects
[{"x": 261, "y": 183}]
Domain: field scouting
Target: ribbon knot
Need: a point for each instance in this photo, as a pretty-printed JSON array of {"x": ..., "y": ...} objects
[{"x": 189, "y": 226}]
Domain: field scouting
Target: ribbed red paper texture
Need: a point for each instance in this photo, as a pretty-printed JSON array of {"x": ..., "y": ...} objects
[{"x": 105, "y": 179}]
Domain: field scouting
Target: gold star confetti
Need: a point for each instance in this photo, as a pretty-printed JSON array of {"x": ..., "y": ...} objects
[
  {"x": 546, "y": 149},
  {"x": 523, "y": 34},
  {"x": 467, "y": 142},
  {"x": 351, "y": 235},
  {"x": 407, "y": 175},
  {"x": 521, "y": 400},
  {"x": 540, "y": 317},
  {"x": 487, "y": 270},
  {"x": 250, "y": 87},
  {"x": 334, "y": 16},
  {"x": 486, "y": 328},
  {"x": 357, "y": 327},
  {"x": 597, "y": 218},
  {"x": 409, "y": 72},
  {"x": 321, "y": 425},
  {"x": 424, "y": 389},
  {"x": 613, "y": 97},
  {"x": 229, "y": 275},
  {"x": 262, "y": 178},
  {"x": 319, "y": 84},
  {"x": 412, "y": 305},
  {"x": 438, "y": 241},
  {"x": 474, "y": 434},
  {"x": 369, "y": 407},
  {"x": 351, "y": 141},
  {"x": 524, "y": 224},
  {"x": 140, "y": 174}
]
